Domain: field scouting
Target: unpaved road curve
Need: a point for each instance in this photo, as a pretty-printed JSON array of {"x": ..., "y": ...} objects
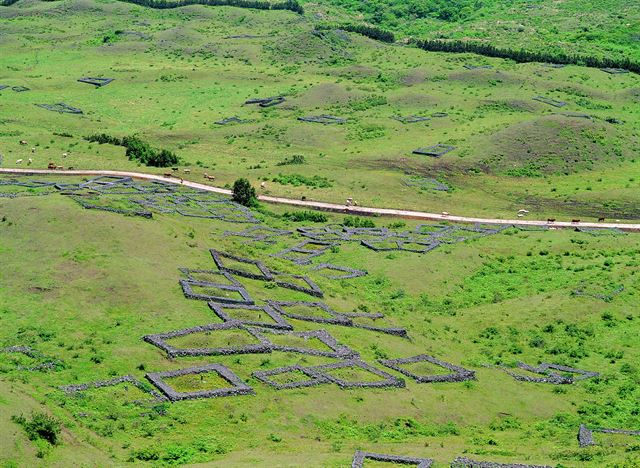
[{"x": 322, "y": 206}]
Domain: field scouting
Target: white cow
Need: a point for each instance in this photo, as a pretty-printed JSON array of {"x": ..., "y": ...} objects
[{"x": 18, "y": 161}]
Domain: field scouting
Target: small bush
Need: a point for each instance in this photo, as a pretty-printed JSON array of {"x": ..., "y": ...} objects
[
  {"x": 40, "y": 426},
  {"x": 296, "y": 159},
  {"x": 310, "y": 216},
  {"x": 357, "y": 222},
  {"x": 298, "y": 179}
]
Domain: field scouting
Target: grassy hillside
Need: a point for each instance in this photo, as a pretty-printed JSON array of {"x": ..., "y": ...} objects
[
  {"x": 82, "y": 287},
  {"x": 603, "y": 28},
  {"x": 179, "y": 71}
]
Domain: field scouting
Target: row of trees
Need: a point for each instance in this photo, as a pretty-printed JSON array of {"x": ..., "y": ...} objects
[
  {"x": 522, "y": 56},
  {"x": 291, "y": 5},
  {"x": 372, "y": 32},
  {"x": 138, "y": 150}
]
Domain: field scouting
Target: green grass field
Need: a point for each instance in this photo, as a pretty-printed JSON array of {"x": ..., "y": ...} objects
[
  {"x": 179, "y": 71},
  {"x": 84, "y": 286}
]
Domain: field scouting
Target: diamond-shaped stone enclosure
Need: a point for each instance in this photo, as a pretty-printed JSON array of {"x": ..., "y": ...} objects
[
  {"x": 458, "y": 374},
  {"x": 310, "y": 380},
  {"x": 343, "y": 272},
  {"x": 333, "y": 348},
  {"x": 160, "y": 340},
  {"x": 329, "y": 316},
  {"x": 435, "y": 151},
  {"x": 387, "y": 380},
  {"x": 549, "y": 373},
  {"x": 241, "y": 294},
  {"x": 97, "y": 82},
  {"x": 272, "y": 318},
  {"x": 261, "y": 272},
  {"x": 237, "y": 386}
]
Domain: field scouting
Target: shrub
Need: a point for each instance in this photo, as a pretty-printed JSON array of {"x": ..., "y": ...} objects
[
  {"x": 298, "y": 179},
  {"x": 310, "y": 216},
  {"x": 244, "y": 193},
  {"x": 293, "y": 160},
  {"x": 40, "y": 426},
  {"x": 357, "y": 222}
]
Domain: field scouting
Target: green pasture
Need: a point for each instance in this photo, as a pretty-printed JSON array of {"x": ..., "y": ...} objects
[
  {"x": 84, "y": 286},
  {"x": 179, "y": 71}
]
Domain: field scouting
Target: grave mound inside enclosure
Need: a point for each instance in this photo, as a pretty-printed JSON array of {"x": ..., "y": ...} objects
[
  {"x": 260, "y": 316},
  {"x": 19, "y": 89},
  {"x": 209, "y": 381},
  {"x": 314, "y": 343},
  {"x": 259, "y": 233},
  {"x": 464, "y": 462},
  {"x": 231, "y": 120},
  {"x": 300, "y": 283},
  {"x": 324, "y": 119},
  {"x": 216, "y": 292},
  {"x": 61, "y": 107},
  {"x": 356, "y": 374},
  {"x": 338, "y": 272},
  {"x": 549, "y": 101},
  {"x": 210, "y": 340},
  {"x": 289, "y": 377},
  {"x": 310, "y": 312},
  {"x": 125, "y": 388},
  {"x": 25, "y": 358},
  {"x": 362, "y": 459},
  {"x": 97, "y": 82},
  {"x": 435, "y": 151},
  {"x": 477, "y": 67},
  {"x": 266, "y": 102},
  {"x": 240, "y": 266},
  {"x": 426, "y": 183},
  {"x": 426, "y": 369},
  {"x": 615, "y": 71},
  {"x": 410, "y": 118}
]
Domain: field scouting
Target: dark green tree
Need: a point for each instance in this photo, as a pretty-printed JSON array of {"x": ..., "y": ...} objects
[{"x": 244, "y": 193}]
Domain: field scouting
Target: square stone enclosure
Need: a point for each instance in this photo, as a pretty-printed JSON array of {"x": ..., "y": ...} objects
[{"x": 237, "y": 386}]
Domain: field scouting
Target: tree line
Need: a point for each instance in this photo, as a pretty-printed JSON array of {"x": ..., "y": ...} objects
[
  {"x": 522, "y": 56},
  {"x": 371, "y": 32},
  {"x": 291, "y": 5},
  {"x": 138, "y": 150}
]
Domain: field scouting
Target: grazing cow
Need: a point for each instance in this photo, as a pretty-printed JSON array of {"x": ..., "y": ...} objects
[
  {"x": 29, "y": 161},
  {"x": 575, "y": 220},
  {"x": 168, "y": 174},
  {"x": 174, "y": 169},
  {"x": 551, "y": 220},
  {"x": 23, "y": 142},
  {"x": 187, "y": 171},
  {"x": 601, "y": 220},
  {"x": 263, "y": 185},
  {"x": 444, "y": 213},
  {"x": 51, "y": 165},
  {"x": 33, "y": 150},
  {"x": 18, "y": 161}
]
